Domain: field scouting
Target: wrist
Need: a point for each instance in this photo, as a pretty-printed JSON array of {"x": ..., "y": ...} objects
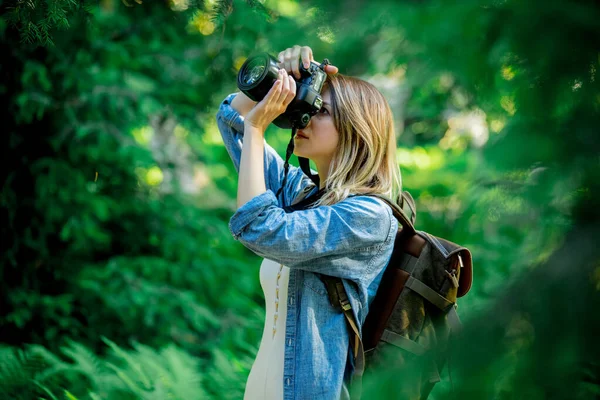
[
  {"x": 242, "y": 103},
  {"x": 254, "y": 129}
]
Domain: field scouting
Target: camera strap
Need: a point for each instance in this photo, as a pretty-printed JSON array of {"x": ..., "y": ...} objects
[{"x": 304, "y": 165}]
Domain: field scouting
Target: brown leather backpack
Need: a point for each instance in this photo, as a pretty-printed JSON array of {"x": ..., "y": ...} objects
[{"x": 413, "y": 316}]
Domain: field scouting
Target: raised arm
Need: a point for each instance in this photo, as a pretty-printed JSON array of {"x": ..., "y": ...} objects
[
  {"x": 317, "y": 239},
  {"x": 231, "y": 120},
  {"x": 242, "y": 104},
  {"x": 251, "y": 181},
  {"x": 231, "y": 127}
]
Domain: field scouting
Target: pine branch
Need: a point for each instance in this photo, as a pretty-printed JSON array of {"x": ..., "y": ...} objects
[
  {"x": 221, "y": 11},
  {"x": 260, "y": 8}
]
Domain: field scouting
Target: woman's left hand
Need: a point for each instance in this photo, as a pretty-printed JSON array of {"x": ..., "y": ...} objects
[
  {"x": 273, "y": 104},
  {"x": 290, "y": 57}
]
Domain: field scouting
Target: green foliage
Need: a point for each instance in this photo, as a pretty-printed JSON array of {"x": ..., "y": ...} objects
[
  {"x": 139, "y": 373},
  {"x": 116, "y": 203},
  {"x": 35, "y": 20}
]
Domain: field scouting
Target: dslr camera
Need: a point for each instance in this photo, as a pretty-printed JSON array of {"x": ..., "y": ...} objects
[{"x": 257, "y": 75}]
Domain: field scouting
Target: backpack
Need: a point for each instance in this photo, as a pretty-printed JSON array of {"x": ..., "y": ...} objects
[{"x": 413, "y": 315}]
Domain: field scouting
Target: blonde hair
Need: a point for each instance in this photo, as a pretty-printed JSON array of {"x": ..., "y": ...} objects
[{"x": 365, "y": 161}]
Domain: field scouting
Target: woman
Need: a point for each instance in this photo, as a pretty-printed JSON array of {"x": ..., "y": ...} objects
[{"x": 305, "y": 352}]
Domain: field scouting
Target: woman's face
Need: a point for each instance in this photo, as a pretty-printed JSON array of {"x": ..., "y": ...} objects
[{"x": 319, "y": 140}]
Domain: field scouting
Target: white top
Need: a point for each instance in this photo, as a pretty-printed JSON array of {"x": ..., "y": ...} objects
[{"x": 265, "y": 381}]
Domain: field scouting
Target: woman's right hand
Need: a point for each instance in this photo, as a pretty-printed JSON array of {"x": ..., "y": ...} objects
[
  {"x": 289, "y": 59},
  {"x": 273, "y": 104}
]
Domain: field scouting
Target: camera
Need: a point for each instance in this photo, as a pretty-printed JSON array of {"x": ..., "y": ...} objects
[{"x": 257, "y": 75}]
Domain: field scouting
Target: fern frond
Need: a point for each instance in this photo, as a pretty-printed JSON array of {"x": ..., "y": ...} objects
[
  {"x": 122, "y": 374},
  {"x": 84, "y": 360},
  {"x": 46, "y": 390},
  {"x": 169, "y": 373},
  {"x": 12, "y": 373},
  {"x": 17, "y": 370},
  {"x": 45, "y": 354},
  {"x": 135, "y": 365},
  {"x": 184, "y": 373}
]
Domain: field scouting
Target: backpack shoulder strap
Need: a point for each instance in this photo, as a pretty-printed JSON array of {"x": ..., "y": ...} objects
[
  {"x": 339, "y": 300},
  {"x": 406, "y": 201},
  {"x": 399, "y": 214}
]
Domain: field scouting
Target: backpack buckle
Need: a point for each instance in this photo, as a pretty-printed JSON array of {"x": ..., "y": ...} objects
[
  {"x": 345, "y": 305},
  {"x": 453, "y": 278}
]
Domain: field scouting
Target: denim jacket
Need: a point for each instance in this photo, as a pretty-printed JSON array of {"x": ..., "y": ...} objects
[{"x": 352, "y": 239}]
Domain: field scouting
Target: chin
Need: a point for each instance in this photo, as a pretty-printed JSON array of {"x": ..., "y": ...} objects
[{"x": 298, "y": 152}]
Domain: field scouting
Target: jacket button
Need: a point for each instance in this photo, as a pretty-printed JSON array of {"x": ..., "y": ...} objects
[
  {"x": 291, "y": 301},
  {"x": 289, "y": 341},
  {"x": 288, "y": 381}
]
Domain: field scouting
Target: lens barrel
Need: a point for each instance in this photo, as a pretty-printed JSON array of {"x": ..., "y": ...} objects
[{"x": 257, "y": 75}]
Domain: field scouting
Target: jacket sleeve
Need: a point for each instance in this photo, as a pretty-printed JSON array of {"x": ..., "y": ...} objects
[
  {"x": 231, "y": 126},
  {"x": 319, "y": 239}
]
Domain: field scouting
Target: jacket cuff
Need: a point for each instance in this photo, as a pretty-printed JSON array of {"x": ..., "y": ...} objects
[
  {"x": 230, "y": 116},
  {"x": 247, "y": 213}
]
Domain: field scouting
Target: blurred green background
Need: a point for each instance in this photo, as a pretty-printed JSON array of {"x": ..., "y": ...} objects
[{"x": 120, "y": 279}]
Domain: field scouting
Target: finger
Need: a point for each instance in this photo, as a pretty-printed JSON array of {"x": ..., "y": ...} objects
[
  {"x": 287, "y": 57},
  {"x": 274, "y": 92},
  {"x": 331, "y": 69},
  {"x": 292, "y": 93},
  {"x": 285, "y": 87},
  {"x": 295, "y": 68},
  {"x": 295, "y": 61},
  {"x": 281, "y": 58},
  {"x": 306, "y": 55}
]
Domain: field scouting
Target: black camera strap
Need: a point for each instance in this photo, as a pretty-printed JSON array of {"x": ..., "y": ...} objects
[{"x": 304, "y": 165}]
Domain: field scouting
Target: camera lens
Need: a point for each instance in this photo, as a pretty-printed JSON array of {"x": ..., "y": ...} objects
[
  {"x": 257, "y": 75},
  {"x": 256, "y": 69}
]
